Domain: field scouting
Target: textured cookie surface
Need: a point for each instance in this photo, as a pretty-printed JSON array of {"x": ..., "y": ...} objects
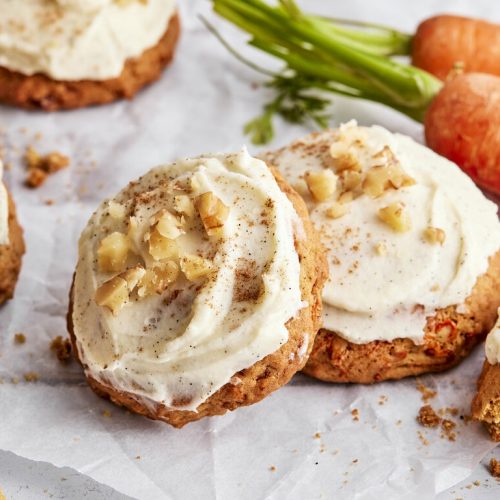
[
  {"x": 486, "y": 404},
  {"x": 10, "y": 256},
  {"x": 254, "y": 383},
  {"x": 449, "y": 337},
  {"x": 41, "y": 92}
]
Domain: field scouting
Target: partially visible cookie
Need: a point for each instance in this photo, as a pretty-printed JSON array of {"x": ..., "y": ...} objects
[
  {"x": 413, "y": 253},
  {"x": 42, "y": 92},
  {"x": 486, "y": 404},
  {"x": 11, "y": 255},
  {"x": 222, "y": 273}
]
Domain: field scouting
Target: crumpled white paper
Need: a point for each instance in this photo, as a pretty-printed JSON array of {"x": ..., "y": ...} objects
[{"x": 272, "y": 449}]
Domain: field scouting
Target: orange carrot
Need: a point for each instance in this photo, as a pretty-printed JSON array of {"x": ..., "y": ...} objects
[
  {"x": 443, "y": 42},
  {"x": 463, "y": 124}
]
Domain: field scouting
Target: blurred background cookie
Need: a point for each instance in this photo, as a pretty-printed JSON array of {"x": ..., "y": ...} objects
[
  {"x": 197, "y": 289},
  {"x": 64, "y": 54}
]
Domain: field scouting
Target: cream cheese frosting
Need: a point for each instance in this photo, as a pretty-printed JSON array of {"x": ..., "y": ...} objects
[
  {"x": 492, "y": 346},
  {"x": 4, "y": 211},
  {"x": 178, "y": 347},
  {"x": 383, "y": 284},
  {"x": 79, "y": 39}
]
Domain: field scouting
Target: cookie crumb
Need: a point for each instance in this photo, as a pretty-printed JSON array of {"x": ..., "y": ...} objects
[
  {"x": 422, "y": 438},
  {"x": 448, "y": 427},
  {"x": 138, "y": 457},
  {"x": 106, "y": 413},
  {"x": 31, "y": 377},
  {"x": 40, "y": 167},
  {"x": 426, "y": 392},
  {"x": 272, "y": 468},
  {"x": 49, "y": 202},
  {"x": 19, "y": 338},
  {"x": 61, "y": 348},
  {"x": 495, "y": 467},
  {"x": 2, "y": 495},
  {"x": 382, "y": 400},
  {"x": 317, "y": 436},
  {"x": 355, "y": 414},
  {"x": 428, "y": 417}
]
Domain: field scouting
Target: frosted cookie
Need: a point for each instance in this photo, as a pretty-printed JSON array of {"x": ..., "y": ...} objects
[
  {"x": 11, "y": 244},
  {"x": 486, "y": 404},
  {"x": 413, "y": 253},
  {"x": 62, "y": 54},
  {"x": 197, "y": 289}
]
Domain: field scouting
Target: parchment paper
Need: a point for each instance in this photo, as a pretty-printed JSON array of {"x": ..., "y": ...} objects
[{"x": 301, "y": 442}]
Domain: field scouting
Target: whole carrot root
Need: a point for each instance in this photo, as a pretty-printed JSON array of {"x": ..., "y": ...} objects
[
  {"x": 443, "y": 42},
  {"x": 463, "y": 124}
]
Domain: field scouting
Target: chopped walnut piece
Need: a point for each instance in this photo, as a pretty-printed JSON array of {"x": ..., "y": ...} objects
[
  {"x": 428, "y": 417},
  {"x": 350, "y": 179},
  {"x": 116, "y": 210},
  {"x": 322, "y": 185},
  {"x": 113, "y": 294},
  {"x": 346, "y": 197},
  {"x": 61, "y": 348},
  {"x": 336, "y": 210},
  {"x": 383, "y": 177},
  {"x": 132, "y": 276},
  {"x": 395, "y": 217},
  {"x": 167, "y": 224},
  {"x": 161, "y": 248},
  {"x": 343, "y": 158},
  {"x": 112, "y": 252},
  {"x": 381, "y": 248},
  {"x": 213, "y": 212},
  {"x": 157, "y": 279},
  {"x": 183, "y": 205},
  {"x": 434, "y": 235},
  {"x": 195, "y": 267}
]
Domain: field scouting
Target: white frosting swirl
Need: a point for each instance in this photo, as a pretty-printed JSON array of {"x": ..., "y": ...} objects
[
  {"x": 382, "y": 297},
  {"x": 492, "y": 346},
  {"x": 4, "y": 211},
  {"x": 78, "y": 39},
  {"x": 180, "y": 347}
]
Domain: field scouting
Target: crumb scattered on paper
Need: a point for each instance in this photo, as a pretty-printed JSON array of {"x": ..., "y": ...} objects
[
  {"x": 355, "y": 414},
  {"x": 106, "y": 413},
  {"x": 19, "y": 338},
  {"x": 272, "y": 468},
  {"x": 41, "y": 166},
  {"x": 448, "y": 429},
  {"x": 31, "y": 377},
  {"x": 426, "y": 392},
  {"x": 428, "y": 417},
  {"x": 495, "y": 467},
  {"x": 61, "y": 348}
]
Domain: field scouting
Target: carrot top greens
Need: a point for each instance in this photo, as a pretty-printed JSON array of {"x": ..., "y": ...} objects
[{"x": 324, "y": 55}]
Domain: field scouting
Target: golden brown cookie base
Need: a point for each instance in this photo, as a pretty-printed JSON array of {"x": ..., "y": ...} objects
[
  {"x": 270, "y": 373},
  {"x": 486, "y": 404},
  {"x": 41, "y": 92},
  {"x": 11, "y": 256},
  {"x": 449, "y": 337}
]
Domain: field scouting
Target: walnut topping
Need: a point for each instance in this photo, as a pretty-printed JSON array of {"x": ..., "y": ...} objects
[
  {"x": 213, "y": 212},
  {"x": 112, "y": 252},
  {"x": 133, "y": 276},
  {"x": 336, "y": 210},
  {"x": 113, "y": 294},
  {"x": 167, "y": 224},
  {"x": 322, "y": 185},
  {"x": 157, "y": 279},
  {"x": 381, "y": 248},
  {"x": 116, "y": 210},
  {"x": 434, "y": 235},
  {"x": 195, "y": 267},
  {"x": 161, "y": 248},
  {"x": 183, "y": 205},
  {"x": 346, "y": 197},
  {"x": 395, "y": 217},
  {"x": 343, "y": 158},
  {"x": 383, "y": 177},
  {"x": 350, "y": 179}
]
